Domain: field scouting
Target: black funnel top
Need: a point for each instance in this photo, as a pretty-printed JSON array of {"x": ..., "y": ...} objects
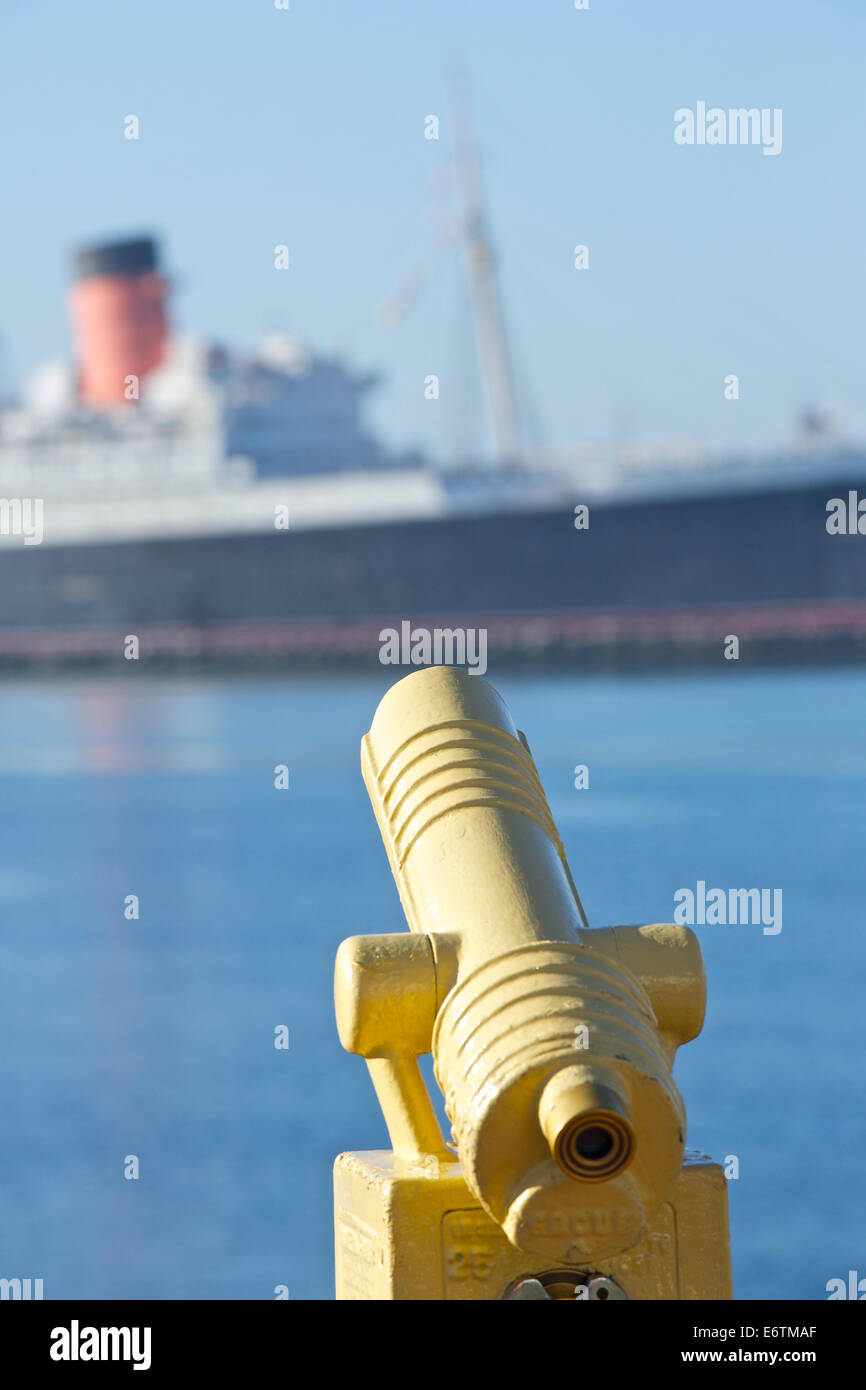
[{"x": 134, "y": 257}]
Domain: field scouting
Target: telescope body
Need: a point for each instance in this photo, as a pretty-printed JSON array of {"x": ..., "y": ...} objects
[{"x": 553, "y": 1044}]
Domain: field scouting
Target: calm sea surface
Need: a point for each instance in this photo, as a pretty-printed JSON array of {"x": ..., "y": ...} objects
[{"x": 155, "y": 1037}]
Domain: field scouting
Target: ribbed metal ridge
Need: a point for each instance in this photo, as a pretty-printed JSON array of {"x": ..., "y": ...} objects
[
  {"x": 484, "y": 767},
  {"x": 477, "y": 1049}
]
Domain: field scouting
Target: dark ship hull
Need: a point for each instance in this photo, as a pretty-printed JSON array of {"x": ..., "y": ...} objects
[{"x": 662, "y": 583}]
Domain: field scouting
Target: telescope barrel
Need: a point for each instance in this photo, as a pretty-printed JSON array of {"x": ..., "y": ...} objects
[{"x": 552, "y": 1043}]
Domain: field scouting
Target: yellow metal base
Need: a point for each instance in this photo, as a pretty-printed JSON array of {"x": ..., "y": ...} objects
[{"x": 410, "y": 1229}]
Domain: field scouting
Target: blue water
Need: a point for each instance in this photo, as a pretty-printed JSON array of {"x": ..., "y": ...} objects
[{"x": 155, "y": 1037}]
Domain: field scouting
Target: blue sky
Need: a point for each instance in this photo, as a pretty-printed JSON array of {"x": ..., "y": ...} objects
[{"x": 306, "y": 127}]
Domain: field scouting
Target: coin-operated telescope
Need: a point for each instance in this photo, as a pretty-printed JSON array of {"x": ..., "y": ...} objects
[{"x": 553, "y": 1044}]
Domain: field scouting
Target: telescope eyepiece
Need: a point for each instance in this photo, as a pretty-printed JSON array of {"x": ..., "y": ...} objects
[
  {"x": 593, "y": 1142},
  {"x": 587, "y": 1127},
  {"x": 594, "y": 1147}
]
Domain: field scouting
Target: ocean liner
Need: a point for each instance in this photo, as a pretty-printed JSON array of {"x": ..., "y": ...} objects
[{"x": 225, "y": 507}]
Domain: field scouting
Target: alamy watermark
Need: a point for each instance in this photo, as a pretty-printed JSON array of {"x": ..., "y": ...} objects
[
  {"x": 737, "y": 126},
  {"x": 23, "y": 1289},
  {"x": 22, "y": 516},
  {"x": 438, "y": 646},
  {"x": 704, "y": 906},
  {"x": 77, "y": 1343},
  {"x": 846, "y": 518},
  {"x": 853, "y": 1288}
]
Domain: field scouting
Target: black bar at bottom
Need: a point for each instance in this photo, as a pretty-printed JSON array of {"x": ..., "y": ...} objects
[{"x": 162, "y": 1339}]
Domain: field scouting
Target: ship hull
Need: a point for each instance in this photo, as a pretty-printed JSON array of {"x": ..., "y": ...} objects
[{"x": 651, "y": 582}]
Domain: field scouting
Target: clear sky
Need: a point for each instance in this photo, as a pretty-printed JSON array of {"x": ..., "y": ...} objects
[{"x": 305, "y": 126}]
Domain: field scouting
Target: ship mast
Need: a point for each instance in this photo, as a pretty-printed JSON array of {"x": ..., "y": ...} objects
[{"x": 483, "y": 286}]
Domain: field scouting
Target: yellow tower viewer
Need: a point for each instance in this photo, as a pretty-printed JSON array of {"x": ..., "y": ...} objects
[{"x": 553, "y": 1044}]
